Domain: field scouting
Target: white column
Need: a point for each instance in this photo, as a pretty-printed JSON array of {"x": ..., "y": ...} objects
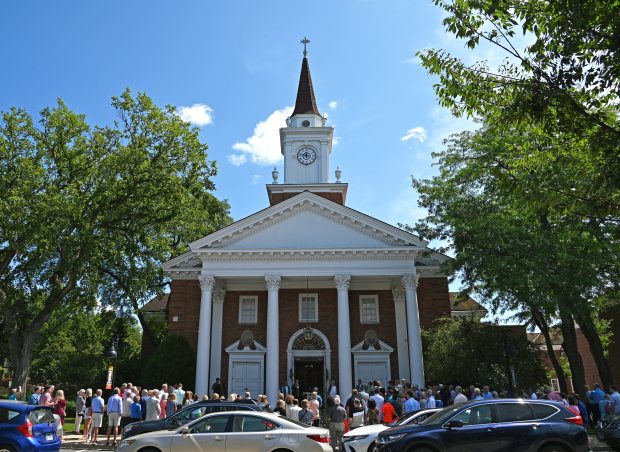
[
  {"x": 207, "y": 282},
  {"x": 398, "y": 294},
  {"x": 344, "y": 337},
  {"x": 272, "y": 364},
  {"x": 216, "y": 336},
  {"x": 416, "y": 361}
]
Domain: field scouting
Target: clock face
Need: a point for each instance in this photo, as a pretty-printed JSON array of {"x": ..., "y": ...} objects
[{"x": 306, "y": 155}]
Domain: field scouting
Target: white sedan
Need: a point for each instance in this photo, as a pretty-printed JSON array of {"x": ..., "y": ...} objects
[
  {"x": 362, "y": 439},
  {"x": 231, "y": 431}
]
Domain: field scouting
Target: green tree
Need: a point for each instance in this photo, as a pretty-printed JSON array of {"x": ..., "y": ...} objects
[
  {"x": 173, "y": 361},
  {"x": 466, "y": 351},
  {"x": 559, "y": 95},
  {"x": 517, "y": 254},
  {"x": 87, "y": 213}
]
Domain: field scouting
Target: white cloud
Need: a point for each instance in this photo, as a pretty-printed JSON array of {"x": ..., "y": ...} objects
[
  {"x": 237, "y": 159},
  {"x": 197, "y": 114},
  {"x": 333, "y": 104},
  {"x": 417, "y": 133},
  {"x": 263, "y": 147},
  {"x": 335, "y": 141}
]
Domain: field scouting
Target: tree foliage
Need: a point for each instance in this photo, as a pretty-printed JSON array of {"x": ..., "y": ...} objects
[
  {"x": 531, "y": 200},
  {"x": 173, "y": 362},
  {"x": 466, "y": 351},
  {"x": 87, "y": 213}
]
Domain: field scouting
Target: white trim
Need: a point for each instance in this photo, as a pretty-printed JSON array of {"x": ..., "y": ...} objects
[
  {"x": 375, "y": 299},
  {"x": 315, "y": 297},
  {"x": 254, "y": 298},
  {"x": 371, "y": 226},
  {"x": 325, "y": 354}
]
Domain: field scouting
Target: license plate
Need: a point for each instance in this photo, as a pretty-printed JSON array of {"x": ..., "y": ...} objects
[{"x": 49, "y": 437}]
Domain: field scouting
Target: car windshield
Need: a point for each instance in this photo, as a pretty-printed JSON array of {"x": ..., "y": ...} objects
[
  {"x": 293, "y": 421},
  {"x": 402, "y": 420},
  {"x": 442, "y": 416}
]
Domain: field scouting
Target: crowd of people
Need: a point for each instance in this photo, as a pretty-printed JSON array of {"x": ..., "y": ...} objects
[{"x": 371, "y": 403}]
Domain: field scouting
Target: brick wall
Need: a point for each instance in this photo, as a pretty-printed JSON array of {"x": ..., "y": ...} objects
[
  {"x": 433, "y": 300},
  {"x": 338, "y": 198},
  {"x": 185, "y": 305}
]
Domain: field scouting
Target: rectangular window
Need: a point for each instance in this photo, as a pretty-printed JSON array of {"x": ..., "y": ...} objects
[
  {"x": 555, "y": 385},
  {"x": 308, "y": 307},
  {"x": 248, "y": 309},
  {"x": 369, "y": 309}
]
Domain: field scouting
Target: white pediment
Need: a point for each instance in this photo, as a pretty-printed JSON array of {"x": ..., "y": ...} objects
[{"x": 307, "y": 221}]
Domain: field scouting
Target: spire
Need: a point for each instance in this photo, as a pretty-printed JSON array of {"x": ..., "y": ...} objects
[{"x": 305, "y": 102}]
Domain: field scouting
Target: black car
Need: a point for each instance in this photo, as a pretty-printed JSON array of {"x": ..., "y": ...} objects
[
  {"x": 608, "y": 430},
  {"x": 190, "y": 413},
  {"x": 514, "y": 425}
]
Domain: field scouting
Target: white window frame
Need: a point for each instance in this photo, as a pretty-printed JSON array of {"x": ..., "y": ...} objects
[
  {"x": 375, "y": 299},
  {"x": 253, "y": 298},
  {"x": 555, "y": 384},
  {"x": 315, "y": 297}
]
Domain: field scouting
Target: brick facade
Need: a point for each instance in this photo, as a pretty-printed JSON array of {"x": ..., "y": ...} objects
[{"x": 184, "y": 305}]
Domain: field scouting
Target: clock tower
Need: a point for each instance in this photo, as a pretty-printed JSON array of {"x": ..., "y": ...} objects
[{"x": 306, "y": 144}]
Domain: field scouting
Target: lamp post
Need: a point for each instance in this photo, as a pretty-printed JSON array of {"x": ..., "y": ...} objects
[{"x": 111, "y": 352}]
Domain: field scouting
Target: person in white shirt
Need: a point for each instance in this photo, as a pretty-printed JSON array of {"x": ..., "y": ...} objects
[
  {"x": 180, "y": 393},
  {"x": 379, "y": 401},
  {"x": 459, "y": 397},
  {"x": 294, "y": 410},
  {"x": 430, "y": 399},
  {"x": 332, "y": 390}
]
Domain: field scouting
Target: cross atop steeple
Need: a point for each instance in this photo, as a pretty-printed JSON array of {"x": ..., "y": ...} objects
[{"x": 305, "y": 41}]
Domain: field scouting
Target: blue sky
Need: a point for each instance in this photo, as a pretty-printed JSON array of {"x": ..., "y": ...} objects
[{"x": 240, "y": 62}]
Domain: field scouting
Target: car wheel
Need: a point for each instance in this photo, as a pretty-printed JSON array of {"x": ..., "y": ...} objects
[
  {"x": 150, "y": 449},
  {"x": 4, "y": 448},
  {"x": 553, "y": 448},
  {"x": 421, "y": 449},
  {"x": 371, "y": 447}
]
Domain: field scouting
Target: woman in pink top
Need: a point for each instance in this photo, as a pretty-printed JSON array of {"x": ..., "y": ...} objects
[
  {"x": 313, "y": 405},
  {"x": 162, "y": 404}
]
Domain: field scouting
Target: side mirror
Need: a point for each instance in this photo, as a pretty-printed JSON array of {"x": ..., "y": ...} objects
[
  {"x": 454, "y": 424},
  {"x": 185, "y": 431}
]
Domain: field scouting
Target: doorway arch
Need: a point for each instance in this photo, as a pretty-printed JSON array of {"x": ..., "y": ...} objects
[{"x": 315, "y": 348}]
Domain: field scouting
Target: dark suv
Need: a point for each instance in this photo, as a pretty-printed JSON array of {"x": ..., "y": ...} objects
[
  {"x": 492, "y": 425},
  {"x": 190, "y": 413}
]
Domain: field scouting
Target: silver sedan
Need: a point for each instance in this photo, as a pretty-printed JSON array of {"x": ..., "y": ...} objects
[{"x": 232, "y": 431}]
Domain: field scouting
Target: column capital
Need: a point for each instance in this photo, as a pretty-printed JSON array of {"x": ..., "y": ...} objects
[
  {"x": 273, "y": 282},
  {"x": 207, "y": 282},
  {"x": 342, "y": 281},
  {"x": 398, "y": 293},
  {"x": 218, "y": 296},
  {"x": 410, "y": 280}
]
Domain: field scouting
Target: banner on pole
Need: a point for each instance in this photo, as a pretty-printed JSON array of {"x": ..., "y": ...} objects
[{"x": 108, "y": 382}]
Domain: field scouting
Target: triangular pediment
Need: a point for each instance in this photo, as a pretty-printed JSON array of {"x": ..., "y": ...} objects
[{"x": 307, "y": 221}]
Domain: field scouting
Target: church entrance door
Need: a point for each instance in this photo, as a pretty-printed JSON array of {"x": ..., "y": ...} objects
[{"x": 310, "y": 373}]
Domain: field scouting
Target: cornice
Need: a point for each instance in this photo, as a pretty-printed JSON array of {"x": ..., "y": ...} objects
[{"x": 219, "y": 255}]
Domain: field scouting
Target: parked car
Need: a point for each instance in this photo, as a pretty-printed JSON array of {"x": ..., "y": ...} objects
[
  {"x": 608, "y": 429},
  {"x": 25, "y": 428},
  {"x": 188, "y": 414},
  {"x": 362, "y": 439},
  {"x": 247, "y": 431},
  {"x": 492, "y": 425}
]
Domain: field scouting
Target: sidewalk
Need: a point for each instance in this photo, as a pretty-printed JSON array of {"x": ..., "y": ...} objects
[
  {"x": 598, "y": 445},
  {"x": 72, "y": 441}
]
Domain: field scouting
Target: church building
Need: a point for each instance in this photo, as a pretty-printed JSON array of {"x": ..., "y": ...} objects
[{"x": 306, "y": 288}]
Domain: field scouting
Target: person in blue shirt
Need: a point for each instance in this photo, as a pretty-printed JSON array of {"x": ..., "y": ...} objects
[
  {"x": 583, "y": 411},
  {"x": 34, "y": 397},
  {"x": 135, "y": 410},
  {"x": 411, "y": 404},
  {"x": 596, "y": 395}
]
